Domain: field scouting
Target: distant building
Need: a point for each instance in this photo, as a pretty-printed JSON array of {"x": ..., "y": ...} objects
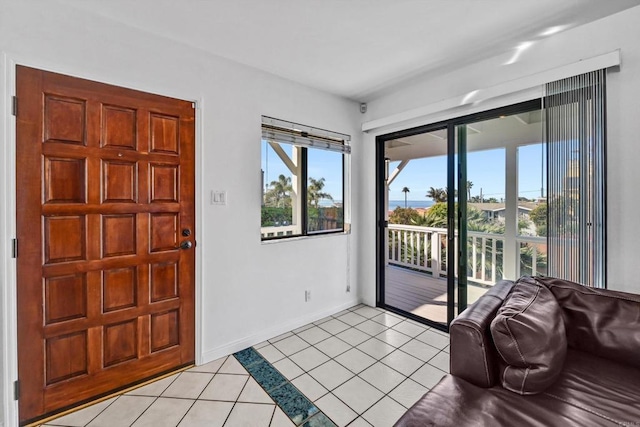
[{"x": 496, "y": 211}]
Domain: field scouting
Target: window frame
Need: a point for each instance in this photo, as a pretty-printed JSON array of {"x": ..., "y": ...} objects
[
  {"x": 305, "y": 211},
  {"x": 303, "y": 202}
]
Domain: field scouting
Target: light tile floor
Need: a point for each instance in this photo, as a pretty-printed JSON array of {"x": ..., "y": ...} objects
[{"x": 360, "y": 367}]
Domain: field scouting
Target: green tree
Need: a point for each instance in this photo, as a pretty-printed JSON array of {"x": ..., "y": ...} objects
[
  {"x": 315, "y": 193},
  {"x": 469, "y": 186},
  {"x": 539, "y": 217},
  {"x": 272, "y": 216},
  {"x": 405, "y": 216},
  {"x": 437, "y": 194},
  {"x": 279, "y": 195},
  {"x": 405, "y": 190},
  {"x": 436, "y": 216}
]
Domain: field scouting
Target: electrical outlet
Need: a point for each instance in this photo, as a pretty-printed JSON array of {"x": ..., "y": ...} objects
[{"x": 307, "y": 296}]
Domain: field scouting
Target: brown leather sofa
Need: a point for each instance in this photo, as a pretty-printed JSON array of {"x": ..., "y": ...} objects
[{"x": 540, "y": 352}]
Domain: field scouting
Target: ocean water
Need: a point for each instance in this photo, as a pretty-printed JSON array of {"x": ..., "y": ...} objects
[
  {"x": 410, "y": 204},
  {"x": 392, "y": 203}
]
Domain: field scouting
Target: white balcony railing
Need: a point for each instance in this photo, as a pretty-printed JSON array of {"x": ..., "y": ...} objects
[
  {"x": 425, "y": 249},
  {"x": 538, "y": 248},
  {"x": 421, "y": 248}
]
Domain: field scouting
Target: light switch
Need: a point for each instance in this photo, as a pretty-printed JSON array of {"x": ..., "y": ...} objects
[{"x": 218, "y": 197}]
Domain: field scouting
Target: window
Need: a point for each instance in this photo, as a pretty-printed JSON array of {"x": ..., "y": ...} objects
[{"x": 303, "y": 180}]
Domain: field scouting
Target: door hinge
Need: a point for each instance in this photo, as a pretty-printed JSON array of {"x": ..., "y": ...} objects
[
  {"x": 14, "y": 248},
  {"x": 16, "y": 390},
  {"x": 14, "y": 106}
]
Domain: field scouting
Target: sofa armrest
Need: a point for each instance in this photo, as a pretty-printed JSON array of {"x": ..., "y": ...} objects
[{"x": 473, "y": 355}]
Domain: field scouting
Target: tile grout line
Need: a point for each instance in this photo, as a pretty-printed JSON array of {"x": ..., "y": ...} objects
[
  {"x": 91, "y": 420},
  {"x": 273, "y": 414},
  {"x": 229, "y": 414},
  {"x": 147, "y": 408},
  {"x": 234, "y": 403},
  {"x": 98, "y": 414},
  {"x": 198, "y": 397},
  {"x": 186, "y": 412},
  {"x": 168, "y": 397}
]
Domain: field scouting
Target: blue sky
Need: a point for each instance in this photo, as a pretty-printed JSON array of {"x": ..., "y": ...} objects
[
  {"x": 320, "y": 164},
  {"x": 486, "y": 169}
]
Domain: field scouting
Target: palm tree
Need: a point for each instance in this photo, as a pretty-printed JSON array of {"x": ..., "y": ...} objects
[
  {"x": 405, "y": 190},
  {"x": 314, "y": 191},
  {"x": 280, "y": 190},
  {"x": 437, "y": 194},
  {"x": 469, "y": 185}
]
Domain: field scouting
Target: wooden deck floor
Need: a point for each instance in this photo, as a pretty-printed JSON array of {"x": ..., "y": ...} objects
[{"x": 421, "y": 293}]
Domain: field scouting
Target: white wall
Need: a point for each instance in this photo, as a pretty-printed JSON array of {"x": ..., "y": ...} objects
[
  {"x": 250, "y": 291},
  {"x": 620, "y": 31}
]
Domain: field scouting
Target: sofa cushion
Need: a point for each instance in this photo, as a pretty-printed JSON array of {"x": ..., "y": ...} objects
[
  {"x": 453, "y": 402},
  {"x": 590, "y": 391},
  {"x": 601, "y": 386},
  {"x": 599, "y": 321},
  {"x": 529, "y": 334}
]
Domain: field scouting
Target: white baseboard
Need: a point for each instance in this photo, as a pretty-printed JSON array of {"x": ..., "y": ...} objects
[{"x": 240, "y": 344}]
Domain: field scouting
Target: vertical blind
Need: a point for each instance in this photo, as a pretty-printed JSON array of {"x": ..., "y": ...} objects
[{"x": 575, "y": 132}]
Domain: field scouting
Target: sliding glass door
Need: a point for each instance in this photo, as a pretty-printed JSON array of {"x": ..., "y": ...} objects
[
  {"x": 501, "y": 187},
  {"x": 454, "y": 210},
  {"x": 414, "y": 201},
  {"x": 463, "y": 203}
]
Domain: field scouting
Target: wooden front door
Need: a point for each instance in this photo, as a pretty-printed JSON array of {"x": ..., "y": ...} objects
[{"x": 105, "y": 200}]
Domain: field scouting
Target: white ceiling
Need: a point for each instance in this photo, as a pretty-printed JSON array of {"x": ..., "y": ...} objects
[
  {"x": 358, "y": 49},
  {"x": 513, "y": 130}
]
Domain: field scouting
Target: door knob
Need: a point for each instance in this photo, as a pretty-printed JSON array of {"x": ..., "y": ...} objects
[{"x": 186, "y": 245}]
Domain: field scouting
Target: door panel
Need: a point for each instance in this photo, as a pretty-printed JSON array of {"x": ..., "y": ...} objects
[
  {"x": 496, "y": 231},
  {"x": 416, "y": 267},
  {"x": 105, "y": 181}
]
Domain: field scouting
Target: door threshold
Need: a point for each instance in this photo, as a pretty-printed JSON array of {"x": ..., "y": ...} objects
[{"x": 107, "y": 397}]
